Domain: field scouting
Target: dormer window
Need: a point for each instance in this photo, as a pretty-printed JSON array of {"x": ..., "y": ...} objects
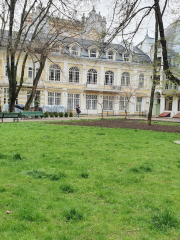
[
  {"x": 110, "y": 54},
  {"x": 126, "y": 57},
  {"x": 55, "y": 48},
  {"x": 75, "y": 50},
  {"x": 93, "y": 53}
]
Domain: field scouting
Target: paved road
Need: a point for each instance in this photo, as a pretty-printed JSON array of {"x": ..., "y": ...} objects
[{"x": 166, "y": 119}]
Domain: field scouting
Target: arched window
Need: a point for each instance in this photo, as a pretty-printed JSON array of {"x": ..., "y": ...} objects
[
  {"x": 110, "y": 54},
  {"x": 125, "y": 79},
  {"x": 93, "y": 53},
  {"x": 75, "y": 50},
  {"x": 74, "y": 74},
  {"x": 141, "y": 80},
  {"x": 92, "y": 76},
  {"x": 109, "y": 78},
  {"x": 54, "y": 72}
]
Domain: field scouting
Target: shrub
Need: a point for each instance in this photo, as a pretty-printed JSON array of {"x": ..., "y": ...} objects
[
  {"x": 20, "y": 114},
  {"x": 73, "y": 214},
  {"x": 164, "y": 220},
  {"x": 66, "y": 114},
  {"x": 55, "y": 177},
  {"x": 61, "y": 114},
  {"x": 67, "y": 188},
  {"x": 84, "y": 175},
  {"x": 56, "y": 114},
  {"x": 37, "y": 174},
  {"x": 51, "y": 114},
  {"x": 46, "y": 114},
  {"x": 70, "y": 114},
  {"x": 17, "y": 156}
]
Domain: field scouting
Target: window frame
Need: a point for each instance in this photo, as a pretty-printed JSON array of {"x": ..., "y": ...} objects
[
  {"x": 93, "y": 53},
  {"x": 75, "y": 75},
  {"x": 108, "y": 102},
  {"x": 92, "y": 76},
  {"x": 138, "y": 104},
  {"x": 110, "y": 56},
  {"x": 123, "y": 101},
  {"x": 126, "y": 77},
  {"x": 91, "y": 102},
  {"x": 109, "y": 78},
  {"x": 6, "y": 95},
  {"x": 141, "y": 80},
  {"x": 73, "y": 100},
  {"x": 168, "y": 103},
  {"x": 74, "y": 50},
  {"x": 54, "y": 98},
  {"x": 54, "y": 73},
  {"x": 55, "y": 48},
  {"x": 126, "y": 57}
]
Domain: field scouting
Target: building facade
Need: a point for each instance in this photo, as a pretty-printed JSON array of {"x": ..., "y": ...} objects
[
  {"x": 84, "y": 71},
  {"x": 167, "y": 95}
]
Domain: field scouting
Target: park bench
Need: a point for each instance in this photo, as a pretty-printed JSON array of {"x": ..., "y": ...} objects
[
  {"x": 15, "y": 116},
  {"x": 32, "y": 114}
]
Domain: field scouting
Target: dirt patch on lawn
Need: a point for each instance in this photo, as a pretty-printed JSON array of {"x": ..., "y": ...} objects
[{"x": 121, "y": 123}]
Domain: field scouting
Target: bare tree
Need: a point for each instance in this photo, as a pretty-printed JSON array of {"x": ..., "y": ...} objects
[{"x": 29, "y": 35}]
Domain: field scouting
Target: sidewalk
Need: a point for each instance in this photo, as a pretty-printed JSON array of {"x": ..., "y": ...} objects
[{"x": 164, "y": 119}]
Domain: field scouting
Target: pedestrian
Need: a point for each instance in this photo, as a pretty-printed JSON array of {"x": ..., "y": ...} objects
[{"x": 78, "y": 111}]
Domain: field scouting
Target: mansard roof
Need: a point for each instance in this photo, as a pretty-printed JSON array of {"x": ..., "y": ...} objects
[{"x": 138, "y": 55}]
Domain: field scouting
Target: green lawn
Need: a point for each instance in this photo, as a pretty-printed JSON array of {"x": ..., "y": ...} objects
[{"x": 82, "y": 183}]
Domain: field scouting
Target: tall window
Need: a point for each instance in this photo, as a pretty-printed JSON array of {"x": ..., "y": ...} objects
[
  {"x": 126, "y": 57},
  {"x": 74, "y": 74},
  {"x": 6, "y": 95},
  {"x": 168, "y": 103},
  {"x": 73, "y": 101},
  {"x": 28, "y": 96},
  {"x": 125, "y": 79},
  {"x": 110, "y": 54},
  {"x": 124, "y": 104},
  {"x": 138, "y": 104},
  {"x": 109, "y": 78},
  {"x": 91, "y": 102},
  {"x": 54, "y": 98},
  {"x": 5, "y": 71},
  {"x": 75, "y": 50},
  {"x": 54, "y": 72},
  {"x": 92, "y": 76},
  {"x": 179, "y": 104},
  {"x": 108, "y": 102},
  {"x": 93, "y": 53},
  {"x": 30, "y": 72},
  {"x": 141, "y": 81}
]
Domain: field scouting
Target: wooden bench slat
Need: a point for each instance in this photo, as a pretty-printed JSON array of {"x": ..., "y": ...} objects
[{"x": 9, "y": 115}]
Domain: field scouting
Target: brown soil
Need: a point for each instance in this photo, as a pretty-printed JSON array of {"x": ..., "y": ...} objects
[{"x": 122, "y": 123}]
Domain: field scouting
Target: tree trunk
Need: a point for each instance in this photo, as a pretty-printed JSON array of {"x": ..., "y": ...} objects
[
  {"x": 12, "y": 98},
  {"x": 35, "y": 83},
  {"x": 154, "y": 72},
  {"x": 125, "y": 114},
  {"x": 166, "y": 68},
  {"x": 102, "y": 113}
]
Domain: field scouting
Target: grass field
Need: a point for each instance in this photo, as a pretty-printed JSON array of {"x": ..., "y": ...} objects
[{"x": 81, "y": 183}]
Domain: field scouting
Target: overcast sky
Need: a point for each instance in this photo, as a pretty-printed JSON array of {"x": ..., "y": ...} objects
[{"x": 172, "y": 13}]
